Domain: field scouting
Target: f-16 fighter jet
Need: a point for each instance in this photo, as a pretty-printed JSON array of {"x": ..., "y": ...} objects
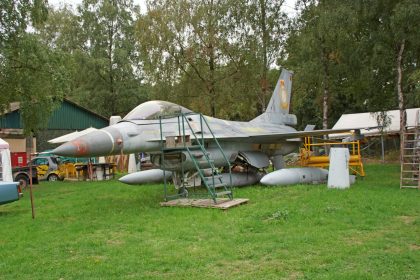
[{"x": 155, "y": 126}]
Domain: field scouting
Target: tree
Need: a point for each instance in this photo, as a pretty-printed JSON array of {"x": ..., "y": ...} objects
[
  {"x": 404, "y": 23},
  {"x": 391, "y": 41},
  {"x": 100, "y": 53},
  {"x": 354, "y": 56},
  {"x": 317, "y": 49},
  {"x": 30, "y": 72},
  {"x": 195, "y": 46},
  {"x": 260, "y": 33},
  {"x": 112, "y": 81}
]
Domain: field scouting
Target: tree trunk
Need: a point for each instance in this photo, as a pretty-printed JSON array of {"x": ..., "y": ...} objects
[
  {"x": 264, "y": 82},
  {"x": 325, "y": 98},
  {"x": 325, "y": 107},
  {"x": 401, "y": 95},
  {"x": 212, "y": 67},
  {"x": 110, "y": 64},
  {"x": 211, "y": 82}
]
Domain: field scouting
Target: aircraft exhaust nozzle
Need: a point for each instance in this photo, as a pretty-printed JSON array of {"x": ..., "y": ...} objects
[
  {"x": 96, "y": 143},
  {"x": 145, "y": 177},
  {"x": 291, "y": 176}
]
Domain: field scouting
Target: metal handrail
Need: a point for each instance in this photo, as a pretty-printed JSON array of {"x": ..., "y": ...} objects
[
  {"x": 182, "y": 118},
  {"x": 214, "y": 138}
]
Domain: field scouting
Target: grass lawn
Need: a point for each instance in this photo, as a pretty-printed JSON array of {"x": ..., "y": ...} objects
[{"x": 108, "y": 230}]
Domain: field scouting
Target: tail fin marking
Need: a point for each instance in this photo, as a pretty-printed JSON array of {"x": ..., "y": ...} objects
[
  {"x": 277, "y": 111},
  {"x": 280, "y": 100}
]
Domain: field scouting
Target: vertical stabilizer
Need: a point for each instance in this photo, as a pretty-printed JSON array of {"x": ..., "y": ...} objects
[
  {"x": 278, "y": 108},
  {"x": 280, "y": 100}
]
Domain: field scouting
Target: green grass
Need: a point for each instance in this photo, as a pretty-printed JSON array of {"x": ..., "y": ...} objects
[{"x": 107, "y": 230}]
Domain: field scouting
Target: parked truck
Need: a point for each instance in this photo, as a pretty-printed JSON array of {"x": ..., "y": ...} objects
[{"x": 22, "y": 175}]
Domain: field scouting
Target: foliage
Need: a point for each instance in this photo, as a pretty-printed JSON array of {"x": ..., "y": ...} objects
[
  {"x": 357, "y": 42},
  {"x": 30, "y": 72},
  {"x": 259, "y": 28},
  {"x": 218, "y": 57},
  {"x": 195, "y": 46},
  {"x": 110, "y": 74},
  {"x": 91, "y": 230},
  {"x": 218, "y": 52},
  {"x": 320, "y": 52},
  {"x": 101, "y": 53}
]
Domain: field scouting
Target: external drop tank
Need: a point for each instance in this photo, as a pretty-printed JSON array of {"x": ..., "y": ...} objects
[{"x": 292, "y": 176}]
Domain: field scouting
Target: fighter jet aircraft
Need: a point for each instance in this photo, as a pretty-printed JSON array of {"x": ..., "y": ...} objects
[{"x": 247, "y": 146}]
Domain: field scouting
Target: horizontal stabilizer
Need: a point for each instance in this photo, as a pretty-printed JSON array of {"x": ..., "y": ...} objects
[{"x": 309, "y": 127}]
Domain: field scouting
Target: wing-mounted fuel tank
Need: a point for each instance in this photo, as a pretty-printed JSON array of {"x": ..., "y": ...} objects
[
  {"x": 291, "y": 176},
  {"x": 146, "y": 177},
  {"x": 157, "y": 175}
]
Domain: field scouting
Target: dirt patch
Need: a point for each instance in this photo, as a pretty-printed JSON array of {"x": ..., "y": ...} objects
[
  {"x": 414, "y": 247},
  {"x": 353, "y": 240},
  {"x": 115, "y": 242},
  {"x": 408, "y": 220},
  {"x": 294, "y": 275}
]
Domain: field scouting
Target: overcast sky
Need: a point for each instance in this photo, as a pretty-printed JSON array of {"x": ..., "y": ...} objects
[{"x": 288, "y": 6}]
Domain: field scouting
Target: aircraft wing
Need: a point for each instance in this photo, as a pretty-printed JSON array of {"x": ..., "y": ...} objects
[{"x": 274, "y": 137}]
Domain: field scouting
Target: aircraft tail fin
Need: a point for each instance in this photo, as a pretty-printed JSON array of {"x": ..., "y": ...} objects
[
  {"x": 280, "y": 100},
  {"x": 277, "y": 110}
]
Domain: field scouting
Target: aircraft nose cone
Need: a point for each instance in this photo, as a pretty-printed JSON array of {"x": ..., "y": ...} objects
[
  {"x": 96, "y": 143},
  {"x": 67, "y": 149}
]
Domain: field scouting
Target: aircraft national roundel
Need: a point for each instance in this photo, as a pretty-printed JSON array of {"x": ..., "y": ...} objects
[{"x": 283, "y": 96}]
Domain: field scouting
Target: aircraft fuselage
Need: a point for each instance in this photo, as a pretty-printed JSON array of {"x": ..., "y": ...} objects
[{"x": 137, "y": 136}]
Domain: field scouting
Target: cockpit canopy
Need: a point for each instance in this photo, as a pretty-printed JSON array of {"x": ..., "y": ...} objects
[{"x": 153, "y": 110}]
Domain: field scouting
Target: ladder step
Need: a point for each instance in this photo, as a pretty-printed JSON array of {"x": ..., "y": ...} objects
[
  {"x": 194, "y": 147},
  {"x": 412, "y": 187},
  {"x": 207, "y": 171},
  {"x": 199, "y": 154},
  {"x": 217, "y": 185},
  {"x": 410, "y": 171},
  {"x": 209, "y": 178},
  {"x": 223, "y": 193},
  {"x": 180, "y": 148},
  {"x": 410, "y": 179},
  {"x": 205, "y": 162}
]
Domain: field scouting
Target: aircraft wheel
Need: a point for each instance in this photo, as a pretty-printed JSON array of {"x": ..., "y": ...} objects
[{"x": 52, "y": 178}]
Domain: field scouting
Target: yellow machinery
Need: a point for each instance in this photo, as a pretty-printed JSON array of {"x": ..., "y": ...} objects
[{"x": 309, "y": 154}]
